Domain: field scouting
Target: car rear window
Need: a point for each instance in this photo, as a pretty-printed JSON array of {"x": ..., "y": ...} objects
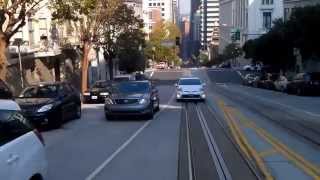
[
  {"x": 131, "y": 87},
  {"x": 12, "y": 126},
  {"x": 190, "y": 82}
]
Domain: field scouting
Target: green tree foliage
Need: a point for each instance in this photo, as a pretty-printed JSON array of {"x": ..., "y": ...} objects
[
  {"x": 276, "y": 47},
  {"x": 89, "y": 18},
  {"x": 232, "y": 51},
  {"x": 122, "y": 33},
  {"x": 163, "y": 31}
]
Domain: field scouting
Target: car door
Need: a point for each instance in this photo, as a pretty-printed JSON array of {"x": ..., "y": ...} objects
[
  {"x": 67, "y": 103},
  {"x": 15, "y": 137}
]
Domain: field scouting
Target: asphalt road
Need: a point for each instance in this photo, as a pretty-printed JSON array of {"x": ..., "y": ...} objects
[
  {"x": 283, "y": 129},
  {"x": 238, "y": 133}
]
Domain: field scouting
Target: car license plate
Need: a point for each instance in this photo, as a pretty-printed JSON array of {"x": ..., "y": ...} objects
[{"x": 94, "y": 97}]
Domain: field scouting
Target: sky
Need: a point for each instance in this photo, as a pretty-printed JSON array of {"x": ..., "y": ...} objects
[{"x": 185, "y": 6}]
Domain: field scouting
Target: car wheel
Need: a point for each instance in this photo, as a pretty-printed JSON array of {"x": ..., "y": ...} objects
[
  {"x": 158, "y": 106},
  {"x": 299, "y": 92},
  {"x": 109, "y": 117},
  {"x": 149, "y": 116},
  {"x": 56, "y": 122},
  {"x": 78, "y": 112}
]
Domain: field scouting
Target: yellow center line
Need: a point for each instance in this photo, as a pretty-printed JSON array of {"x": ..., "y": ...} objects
[
  {"x": 267, "y": 152},
  {"x": 297, "y": 159},
  {"x": 243, "y": 143}
]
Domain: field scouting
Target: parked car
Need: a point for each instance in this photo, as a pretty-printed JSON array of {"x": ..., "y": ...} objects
[
  {"x": 249, "y": 79},
  {"x": 22, "y": 147},
  {"x": 5, "y": 92},
  {"x": 162, "y": 65},
  {"x": 305, "y": 84},
  {"x": 225, "y": 65},
  {"x": 132, "y": 98},
  {"x": 50, "y": 103},
  {"x": 252, "y": 67},
  {"x": 190, "y": 88},
  {"x": 97, "y": 94},
  {"x": 281, "y": 83},
  {"x": 266, "y": 81}
]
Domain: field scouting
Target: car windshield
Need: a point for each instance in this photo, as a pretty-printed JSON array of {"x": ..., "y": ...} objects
[
  {"x": 120, "y": 79},
  {"x": 46, "y": 91},
  {"x": 190, "y": 82},
  {"x": 101, "y": 84},
  {"x": 131, "y": 87}
]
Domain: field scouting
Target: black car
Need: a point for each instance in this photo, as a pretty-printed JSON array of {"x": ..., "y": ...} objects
[
  {"x": 50, "y": 103},
  {"x": 132, "y": 98},
  {"x": 5, "y": 92},
  {"x": 305, "y": 84},
  {"x": 98, "y": 92}
]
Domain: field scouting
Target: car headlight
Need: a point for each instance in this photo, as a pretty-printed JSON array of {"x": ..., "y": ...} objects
[
  {"x": 45, "y": 108},
  {"x": 104, "y": 94},
  {"x": 86, "y": 94},
  {"x": 142, "y": 101}
]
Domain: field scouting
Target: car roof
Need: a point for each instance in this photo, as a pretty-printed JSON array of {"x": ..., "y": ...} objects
[{"x": 9, "y": 105}]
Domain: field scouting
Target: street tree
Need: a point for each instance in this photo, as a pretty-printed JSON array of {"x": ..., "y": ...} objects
[
  {"x": 120, "y": 26},
  {"x": 155, "y": 49},
  {"x": 89, "y": 18},
  {"x": 13, "y": 14}
]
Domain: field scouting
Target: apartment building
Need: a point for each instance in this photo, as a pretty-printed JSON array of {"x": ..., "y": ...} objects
[
  {"x": 251, "y": 18},
  {"x": 290, "y": 5},
  {"x": 209, "y": 17}
]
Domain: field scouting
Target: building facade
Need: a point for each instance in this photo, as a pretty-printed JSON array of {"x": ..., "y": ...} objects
[
  {"x": 209, "y": 15},
  {"x": 136, "y": 5},
  {"x": 152, "y": 9},
  {"x": 290, "y": 5},
  {"x": 251, "y": 18}
]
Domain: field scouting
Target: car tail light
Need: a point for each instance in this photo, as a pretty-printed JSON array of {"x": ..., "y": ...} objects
[{"x": 39, "y": 136}]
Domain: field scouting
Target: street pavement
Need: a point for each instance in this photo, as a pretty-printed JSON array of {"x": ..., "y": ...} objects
[{"x": 238, "y": 133}]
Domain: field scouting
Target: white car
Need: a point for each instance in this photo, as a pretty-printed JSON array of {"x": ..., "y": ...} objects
[
  {"x": 22, "y": 152},
  {"x": 190, "y": 89}
]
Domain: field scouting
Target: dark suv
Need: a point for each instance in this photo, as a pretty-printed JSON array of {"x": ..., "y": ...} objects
[{"x": 305, "y": 84}]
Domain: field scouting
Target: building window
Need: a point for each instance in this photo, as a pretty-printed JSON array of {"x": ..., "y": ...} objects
[
  {"x": 150, "y": 27},
  {"x": 267, "y": 2},
  {"x": 162, "y": 9},
  {"x": 43, "y": 23},
  {"x": 158, "y": 4},
  {"x": 286, "y": 13},
  {"x": 150, "y": 4},
  {"x": 162, "y": 14},
  {"x": 162, "y": 4},
  {"x": 154, "y": 4},
  {"x": 267, "y": 20}
]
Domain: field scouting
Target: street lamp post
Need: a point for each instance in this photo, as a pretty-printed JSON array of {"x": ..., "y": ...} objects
[{"x": 18, "y": 42}]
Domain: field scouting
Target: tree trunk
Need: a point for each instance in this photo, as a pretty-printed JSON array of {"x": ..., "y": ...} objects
[
  {"x": 3, "y": 58},
  {"x": 110, "y": 63},
  {"x": 84, "y": 67}
]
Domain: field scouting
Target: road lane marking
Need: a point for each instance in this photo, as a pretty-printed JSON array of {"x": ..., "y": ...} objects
[
  {"x": 218, "y": 160},
  {"x": 243, "y": 143},
  {"x": 190, "y": 169},
  {"x": 98, "y": 170},
  {"x": 267, "y": 152},
  {"x": 294, "y": 157}
]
